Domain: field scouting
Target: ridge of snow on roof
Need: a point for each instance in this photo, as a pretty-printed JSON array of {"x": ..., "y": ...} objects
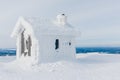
[{"x": 44, "y": 26}]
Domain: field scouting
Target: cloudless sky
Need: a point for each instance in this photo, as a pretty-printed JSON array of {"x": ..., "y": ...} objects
[{"x": 98, "y": 20}]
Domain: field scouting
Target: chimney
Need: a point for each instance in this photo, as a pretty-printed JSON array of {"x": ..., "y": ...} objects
[{"x": 61, "y": 19}]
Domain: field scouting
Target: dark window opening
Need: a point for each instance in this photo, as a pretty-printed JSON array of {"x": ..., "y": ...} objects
[
  {"x": 69, "y": 43},
  {"x": 56, "y": 44}
]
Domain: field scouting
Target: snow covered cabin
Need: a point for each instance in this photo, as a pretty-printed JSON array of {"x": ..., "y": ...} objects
[{"x": 45, "y": 41}]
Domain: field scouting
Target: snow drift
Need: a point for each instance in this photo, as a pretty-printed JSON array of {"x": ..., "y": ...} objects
[{"x": 92, "y": 66}]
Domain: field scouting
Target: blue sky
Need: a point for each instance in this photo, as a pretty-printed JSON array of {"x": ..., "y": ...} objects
[{"x": 98, "y": 20}]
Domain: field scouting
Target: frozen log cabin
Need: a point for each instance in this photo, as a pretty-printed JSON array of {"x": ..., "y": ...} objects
[{"x": 44, "y": 41}]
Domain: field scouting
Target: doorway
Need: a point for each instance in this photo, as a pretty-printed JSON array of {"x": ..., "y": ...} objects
[{"x": 26, "y": 44}]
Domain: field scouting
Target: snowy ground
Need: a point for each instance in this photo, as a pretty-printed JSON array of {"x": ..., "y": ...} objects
[{"x": 88, "y": 67}]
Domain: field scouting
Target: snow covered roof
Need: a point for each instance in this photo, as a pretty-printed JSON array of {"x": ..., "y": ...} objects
[{"x": 35, "y": 26}]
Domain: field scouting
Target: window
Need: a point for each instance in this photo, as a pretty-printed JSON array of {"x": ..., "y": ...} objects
[
  {"x": 56, "y": 44},
  {"x": 69, "y": 43}
]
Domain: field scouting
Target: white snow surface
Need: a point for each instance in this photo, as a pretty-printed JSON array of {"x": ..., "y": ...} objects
[{"x": 91, "y": 66}]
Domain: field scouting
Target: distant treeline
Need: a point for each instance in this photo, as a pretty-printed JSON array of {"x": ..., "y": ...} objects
[
  {"x": 109, "y": 50},
  {"x": 10, "y": 52}
]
